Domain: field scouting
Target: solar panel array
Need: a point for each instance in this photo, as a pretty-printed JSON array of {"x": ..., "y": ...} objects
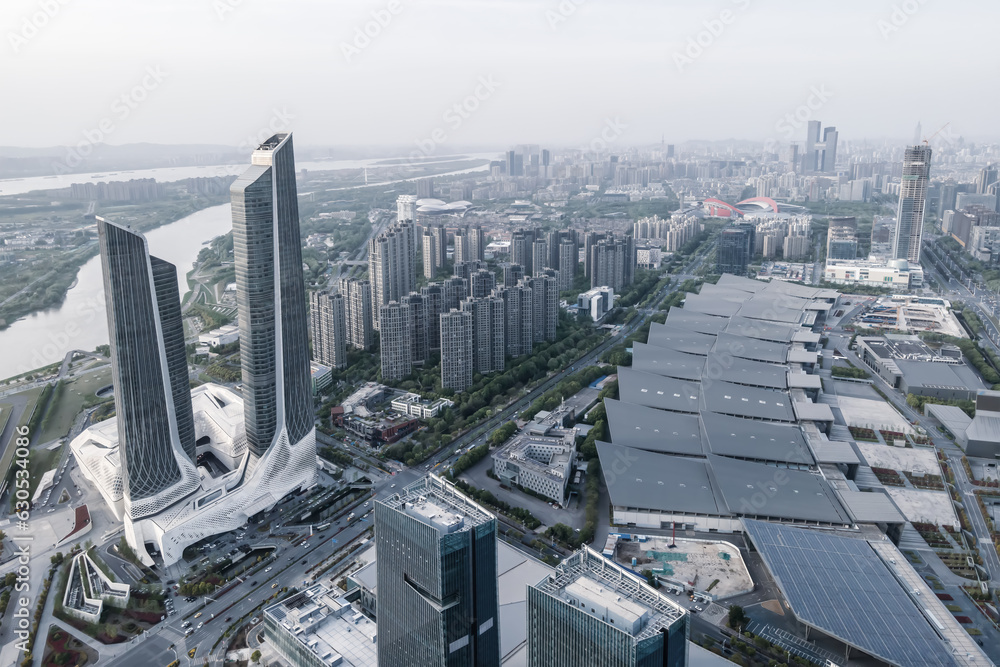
[{"x": 840, "y": 586}]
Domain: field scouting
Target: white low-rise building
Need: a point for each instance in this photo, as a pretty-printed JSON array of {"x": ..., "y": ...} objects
[
  {"x": 895, "y": 273},
  {"x": 596, "y": 302},
  {"x": 540, "y": 463},
  {"x": 224, "y": 335},
  {"x": 415, "y": 406}
]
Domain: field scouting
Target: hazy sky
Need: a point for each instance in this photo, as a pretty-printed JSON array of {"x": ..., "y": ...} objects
[{"x": 561, "y": 70}]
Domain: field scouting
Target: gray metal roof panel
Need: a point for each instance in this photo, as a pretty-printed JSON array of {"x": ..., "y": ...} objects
[
  {"x": 745, "y": 438},
  {"x": 934, "y": 374},
  {"x": 637, "y": 478},
  {"x": 745, "y": 371},
  {"x": 694, "y": 321},
  {"x": 656, "y": 391},
  {"x": 751, "y": 348},
  {"x": 667, "y": 362},
  {"x": 751, "y": 402},
  {"x": 710, "y": 306},
  {"x": 774, "y": 308},
  {"x": 762, "y": 329},
  {"x": 653, "y": 430},
  {"x": 840, "y": 586},
  {"x": 741, "y": 283},
  {"x": 673, "y": 338},
  {"x": 756, "y": 489}
]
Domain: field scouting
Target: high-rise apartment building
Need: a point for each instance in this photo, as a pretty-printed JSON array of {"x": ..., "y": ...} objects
[
  {"x": 734, "y": 249},
  {"x": 481, "y": 283},
  {"x": 488, "y": 326},
  {"x": 392, "y": 266},
  {"x": 271, "y": 299},
  {"x": 613, "y": 262},
  {"x": 156, "y": 436},
  {"x": 519, "y": 330},
  {"x": 430, "y": 255},
  {"x": 328, "y": 328},
  {"x": 396, "y": 353},
  {"x": 912, "y": 197},
  {"x": 545, "y": 307},
  {"x": 477, "y": 243},
  {"x": 455, "y": 290},
  {"x": 406, "y": 207},
  {"x": 456, "y": 350},
  {"x": 539, "y": 256},
  {"x": 567, "y": 264},
  {"x": 512, "y": 273},
  {"x": 522, "y": 249},
  {"x": 360, "y": 321},
  {"x": 592, "y": 612},
  {"x": 463, "y": 247},
  {"x": 433, "y": 294},
  {"x": 988, "y": 175},
  {"x": 437, "y": 578},
  {"x": 425, "y": 188},
  {"x": 419, "y": 328}
]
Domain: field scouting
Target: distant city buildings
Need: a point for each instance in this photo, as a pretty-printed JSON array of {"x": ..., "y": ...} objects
[
  {"x": 842, "y": 238},
  {"x": 820, "y": 153},
  {"x": 734, "y": 249}
]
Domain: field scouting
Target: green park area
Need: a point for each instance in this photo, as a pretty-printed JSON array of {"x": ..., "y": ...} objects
[{"x": 66, "y": 402}]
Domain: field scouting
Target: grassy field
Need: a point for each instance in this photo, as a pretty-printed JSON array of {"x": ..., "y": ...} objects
[
  {"x": 74, "y": 396},
  {"x": 41, "y": 461},
  {"x": 32, "y": 396}
]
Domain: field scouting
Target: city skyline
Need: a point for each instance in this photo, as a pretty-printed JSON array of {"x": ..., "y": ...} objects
[{"x": 146, "y": 98}]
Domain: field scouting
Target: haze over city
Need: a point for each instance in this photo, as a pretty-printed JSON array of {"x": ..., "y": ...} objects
[
  {"x": 499, "y": 333},
  {"x": 686, "y": 71}
]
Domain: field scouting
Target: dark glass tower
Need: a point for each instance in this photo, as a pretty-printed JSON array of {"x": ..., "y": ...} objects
[
  {"x": 149, "y": 370},
  {"x": 271, "y": 297},
  {"x": 912, "y": 197},
  {"x": 437, "y": 579}
]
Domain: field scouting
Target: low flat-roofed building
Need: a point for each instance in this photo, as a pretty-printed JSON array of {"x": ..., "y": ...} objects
[
  {"x": 416, "y": 406},
  {"x": 224, "y": 335},
  {"x": 322, "y": 376},
  {"x": 540, "y": 463}
]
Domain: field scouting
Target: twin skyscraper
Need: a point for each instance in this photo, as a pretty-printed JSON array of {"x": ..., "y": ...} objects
[{"x": 262, "y": 444}]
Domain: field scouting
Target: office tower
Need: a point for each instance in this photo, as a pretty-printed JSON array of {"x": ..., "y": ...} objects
[
  {"x": 396, "y": 352},
  {"x": 457, "y": 361},
  {"x": 430, "y": 256},
  {"x": 482, "y": 283},
  {"x": 434, "y": 300},
  {"x": 391, "y": 266},
  {"x": 670, "y": 151},
  {"x": 512, "y": 273},
  {"x": 590, "y": 239},
  {"x": 406, "y": 207},
  {"x": 820, "y": 154},
  {"x": 488, "y": 325},
  {"x": 455, "y": 290},
  {"x": 425, "y": 188},
  {"x": 734, "y": 249},
  {"x": 271, "y": 299},
  {"x": 842, "y": 239},
  {"x": 592, "y": 612},
  {"x": 515, "y": 164},
  {"x": 149, "y": 369},
  {"x": 437, "y": 578},
  {"x": 358, "y": 299},
  {"x": 568, "y": 261},
  {"x": 987, "y": 177},
  {"x": 462, "y": 246},
  {"x": 440, "y": 236},
  {"x": 521, "y": 249},
  {"x": 477, "y": 243},
  {"x": 545, "y": 307},
  {"x": 912, "y": 196},
  {"x": 419, "y": 335},
  {"x": 328, "y": 326},
  {"x": 539, "y": 256}
]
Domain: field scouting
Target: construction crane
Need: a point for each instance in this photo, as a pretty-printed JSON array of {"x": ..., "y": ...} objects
[{"x": 928, "y": 140}]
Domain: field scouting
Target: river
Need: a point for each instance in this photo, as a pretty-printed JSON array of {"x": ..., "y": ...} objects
[
  {"x": 18, "y": 186},
  {"x": 80, "y": 323}
]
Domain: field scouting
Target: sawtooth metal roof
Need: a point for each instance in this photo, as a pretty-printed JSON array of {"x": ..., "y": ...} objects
[
  {"x": 750, "y": 402},
  {"x": 744, "y": 438},
  {"x": 681, "y": 340},
  {"x": 750, "y": 348},
  {"x": 657, "y": 391},
  {"x": 682, "y": 318},
  {"x": 667, "y": 362},
  {"x": 654, "y": 430}
]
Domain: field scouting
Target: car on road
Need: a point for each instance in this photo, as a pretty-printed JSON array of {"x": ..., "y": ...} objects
[
  {"x": 200, "y": 625},
  {"x": 274, "y": 585},
  {"x": 267, "y": 569},
  {"x": 198, "y": 615},
  {"x": 253, "y": 583}
]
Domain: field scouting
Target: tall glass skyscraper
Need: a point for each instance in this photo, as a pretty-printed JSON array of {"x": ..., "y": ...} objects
[
  {"x": 149, "y": 370},
  {"x": 271, "y": 297},
  {"x": 912, "y": 197},
  {"x": 437, "y": 578},
  {"x": 590, "y": 611}
]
